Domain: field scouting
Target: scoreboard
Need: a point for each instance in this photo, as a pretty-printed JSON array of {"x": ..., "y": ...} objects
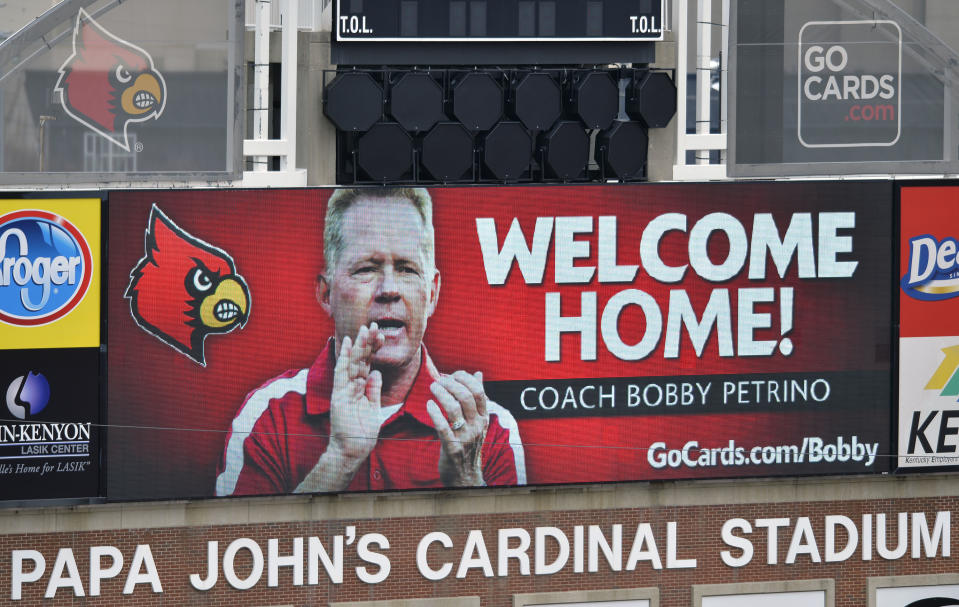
[{"x": 499, "y": 20}]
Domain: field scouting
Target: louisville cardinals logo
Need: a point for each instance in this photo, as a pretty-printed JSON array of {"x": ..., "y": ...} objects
[
  {"x": 185, "y": 289},
  {"x": 107, "y": 83}
]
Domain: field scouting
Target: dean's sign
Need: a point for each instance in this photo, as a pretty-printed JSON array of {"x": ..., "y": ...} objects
[
  {"x": 933, "y": 272},
  {"x": 928, "y": 327}
]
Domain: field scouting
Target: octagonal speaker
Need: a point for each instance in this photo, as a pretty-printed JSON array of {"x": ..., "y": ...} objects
[
  {"x": 416, "y": 101},
  {"x": 447, "y": 152},
  {"x": 622, "y": 149},
  {"x": 566, "y": 150},
  {"x": 477, "y": 100},
  {"x": 507, "y": 151},
  {"x": 651, "y": 99},
  {"x": 537, "y": 101},
  {"x": 385, "y": 152},
  {"x": 353, "y": 101},
  {"x": 595, "y": 99}
]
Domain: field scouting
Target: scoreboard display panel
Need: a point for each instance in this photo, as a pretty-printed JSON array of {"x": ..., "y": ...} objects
[{"x": 499, "y": 20}]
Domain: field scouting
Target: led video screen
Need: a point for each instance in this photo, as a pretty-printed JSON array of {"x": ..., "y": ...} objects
[{"x": 326, "y": 340}]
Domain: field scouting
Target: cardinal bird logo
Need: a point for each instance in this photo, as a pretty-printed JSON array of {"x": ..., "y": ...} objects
[
  {"x": 107, "y": 83},
  {"x": 184, "y": 289}
]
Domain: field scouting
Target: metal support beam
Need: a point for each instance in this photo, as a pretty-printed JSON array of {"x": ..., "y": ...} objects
[
  {"x": 288, "y": 80},
  {"x": 704, "y": 57},
  {"x": 261, "y": 79},
  {"x": 703, "y": 141},
  {"x": 261, "y": 148}
]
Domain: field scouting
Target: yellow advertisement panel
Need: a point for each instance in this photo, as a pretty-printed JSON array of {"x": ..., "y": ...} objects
[{"x": 49, "y": 273}]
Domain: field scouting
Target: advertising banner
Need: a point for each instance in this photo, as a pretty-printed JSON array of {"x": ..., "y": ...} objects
[
  {"x": 49, "y": 348},
  {"x": 49, "y": 273},
  {"x": 928, "y": 327},
  {"x": 95, "y": 91},
  {"x": 827, "y": 87},
  {"x": 49, "y": 424},
  {"x": 572, "y": 334},
  {"x": 863, "y": 110}
]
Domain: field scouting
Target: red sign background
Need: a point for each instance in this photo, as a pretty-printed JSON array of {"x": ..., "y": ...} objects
[
  {"x": 929, "y": 210},
  {"x": 169, "y": 416}
]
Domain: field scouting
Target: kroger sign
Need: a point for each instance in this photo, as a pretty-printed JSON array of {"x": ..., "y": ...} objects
[{"x": 45, "y": 269}]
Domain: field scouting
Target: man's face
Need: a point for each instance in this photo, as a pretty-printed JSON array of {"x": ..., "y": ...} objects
[{"x": 382, "y": 275}]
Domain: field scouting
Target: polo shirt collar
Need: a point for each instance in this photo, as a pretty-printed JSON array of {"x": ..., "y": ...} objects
[{"x": 319, "y": 386}]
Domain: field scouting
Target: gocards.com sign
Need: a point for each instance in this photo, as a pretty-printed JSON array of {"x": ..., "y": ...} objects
[{"x": 850, "y": 76}]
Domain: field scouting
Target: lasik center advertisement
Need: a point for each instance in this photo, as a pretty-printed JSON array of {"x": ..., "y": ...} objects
[{"x": 327, "y": 340}]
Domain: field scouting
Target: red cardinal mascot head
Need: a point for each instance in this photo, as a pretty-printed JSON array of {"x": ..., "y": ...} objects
[
  {"x": 107, "y": 83},
  {"x": 185, "y": 289}
]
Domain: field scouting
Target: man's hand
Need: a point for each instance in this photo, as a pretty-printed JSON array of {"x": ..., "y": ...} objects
[
  {"x": 354, "y": 414},
  {"x": 461, "y": 426},
  {"x": 355, "y": 400}
]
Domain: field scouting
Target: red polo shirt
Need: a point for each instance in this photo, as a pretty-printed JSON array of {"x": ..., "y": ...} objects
[{"x": 284, "y": 425}]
